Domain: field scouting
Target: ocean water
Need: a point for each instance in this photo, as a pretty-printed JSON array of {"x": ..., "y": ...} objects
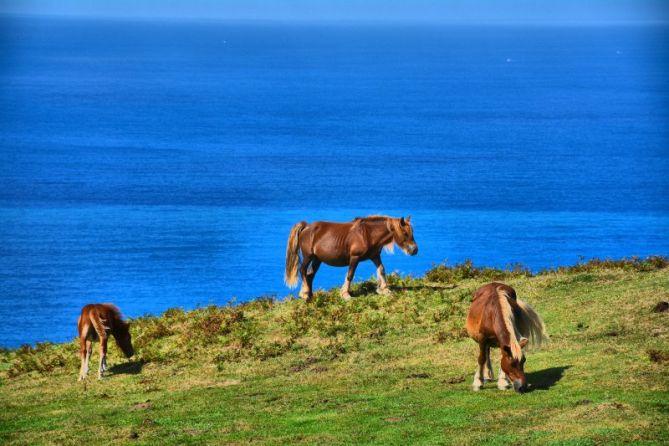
[{"x": 162, "y": 164}]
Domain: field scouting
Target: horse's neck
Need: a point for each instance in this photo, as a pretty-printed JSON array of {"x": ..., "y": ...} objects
[{"x": 380, "y": 234}]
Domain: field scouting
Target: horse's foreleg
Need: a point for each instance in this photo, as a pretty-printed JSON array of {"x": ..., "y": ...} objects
[
  {"x": 487, "y": 369},
  {"x": 381, "y": 276},
  {"x": 478, "y": 376},
  {"x": 305, "y": 289},
  {"x": 346, "y": 288},
  {"x": 103, "y": 357},
  {"x": 502, "y": 381}
]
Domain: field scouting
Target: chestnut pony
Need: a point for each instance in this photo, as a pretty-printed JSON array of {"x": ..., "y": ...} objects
[
  {"x": 345, "y": 244},
  {"x": 97, "y": 322},
  {"x": 497, "y": 318}
]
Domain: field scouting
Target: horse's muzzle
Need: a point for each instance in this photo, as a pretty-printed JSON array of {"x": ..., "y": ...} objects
[
  {"x": 518, "y": 386},
  {"x": 414, "y": 250}
]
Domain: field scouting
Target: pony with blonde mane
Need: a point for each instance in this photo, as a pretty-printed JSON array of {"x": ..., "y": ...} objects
[
  {"x": 98, "y": 322},
  {"x": 345, "y": 244},
  {"x": 497, "y": 318}
]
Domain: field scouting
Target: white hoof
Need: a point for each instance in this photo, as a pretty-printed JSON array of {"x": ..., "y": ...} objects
[
  {"x": 476, "y": 388},
  {"x": 384, "y": 291},
  {"x": 503, "y": 385},
  {"x": 346, "y": 296}
]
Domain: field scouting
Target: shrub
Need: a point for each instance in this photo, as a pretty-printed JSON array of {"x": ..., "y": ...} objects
[
  {"x": 44, "y": 358},
  {"x": 651, "y": 263},
  {"x": 148, "y": 329},
  {"x": 466, "y": 270}
]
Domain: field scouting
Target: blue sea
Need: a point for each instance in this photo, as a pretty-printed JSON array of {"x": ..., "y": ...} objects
[{"x": 162, "y": 164}]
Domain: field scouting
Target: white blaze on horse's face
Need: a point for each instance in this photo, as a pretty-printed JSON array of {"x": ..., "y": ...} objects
[{"x": 404, "y": 237}]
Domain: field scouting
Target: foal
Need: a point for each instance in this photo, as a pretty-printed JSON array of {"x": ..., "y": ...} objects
[
  {"x": 345, "y": 244},
  {"x": 497, "y": 318},
  {"x": 97, "y": 322}
]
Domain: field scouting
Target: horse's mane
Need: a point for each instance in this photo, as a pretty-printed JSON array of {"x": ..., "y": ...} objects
[
  {"x": 528, "y": 325},
  {"x": 114, "y": 313},
  {"x": 374, "y": 217}
]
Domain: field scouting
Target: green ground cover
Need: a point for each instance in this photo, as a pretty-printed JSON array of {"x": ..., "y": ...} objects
[{"x": 373, "y": 370}]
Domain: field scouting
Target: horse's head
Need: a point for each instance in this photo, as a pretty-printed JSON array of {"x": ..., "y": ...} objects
[
  {"x": 403, "y": 236},
  {"x": 123, "y": 338},
  {"x": 514, "y": 367}
]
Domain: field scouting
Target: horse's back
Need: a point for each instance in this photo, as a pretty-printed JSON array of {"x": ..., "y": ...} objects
[
  {"x": 489, "y": 291},
  {"x": 485, "y": 308}
]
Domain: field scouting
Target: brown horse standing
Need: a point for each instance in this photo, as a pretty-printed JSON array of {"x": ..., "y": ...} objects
[
  {"x": 345, "y": 244},
  {"x": 98, "y": 321},
  {"x": 497, "y": 318}
]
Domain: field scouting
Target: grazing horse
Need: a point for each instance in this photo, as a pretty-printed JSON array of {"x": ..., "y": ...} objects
[
  {"x": 497, "y": 318},
  {"x": 345, "y": 244},
  {"x": 97, "y": 322}
]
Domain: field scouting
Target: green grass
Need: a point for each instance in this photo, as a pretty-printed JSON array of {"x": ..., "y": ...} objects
[{"x": 374, "y": 370}]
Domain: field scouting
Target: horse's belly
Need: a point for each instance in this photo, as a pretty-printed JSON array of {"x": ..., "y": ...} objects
[{"x": 334, "y": 261}]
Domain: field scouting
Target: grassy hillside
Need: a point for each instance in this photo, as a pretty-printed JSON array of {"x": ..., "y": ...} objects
[{"x": 374, "y": 370}]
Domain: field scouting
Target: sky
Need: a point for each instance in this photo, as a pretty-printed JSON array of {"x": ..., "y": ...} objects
[{"x": 559, "y": 12}]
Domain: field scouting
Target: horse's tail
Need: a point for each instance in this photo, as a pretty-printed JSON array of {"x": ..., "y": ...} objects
[
  {"x": 531, "y": 326},
  {"x": 292, "y": 255},
  {"x": 98, "y": 323}
]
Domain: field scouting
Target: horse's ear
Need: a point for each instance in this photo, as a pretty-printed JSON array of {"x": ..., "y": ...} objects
[
  {"x": 523, "y": 342},
  {"x": 402, "y": 223},
  {"x": 507, "y": 349},
  {"x": 408, "y": 218}
]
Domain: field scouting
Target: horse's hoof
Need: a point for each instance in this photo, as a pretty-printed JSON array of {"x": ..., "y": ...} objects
[
  {"x": 476, "y": 388},
  {"x": 346, "y": 296},
  {"x": 304, "y": 296},
  {"x": 384, "y": 291},
  {"x": 503, "y": 386}
]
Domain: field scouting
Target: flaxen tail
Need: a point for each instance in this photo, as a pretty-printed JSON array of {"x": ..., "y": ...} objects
[
  {"x": 98, "y": 324},
  {"x": 531, "y": 326},
  {"x": 292, "y": 254}
]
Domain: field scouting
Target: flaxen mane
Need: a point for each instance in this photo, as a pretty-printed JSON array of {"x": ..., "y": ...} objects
[{"x": 392, "y": 223}]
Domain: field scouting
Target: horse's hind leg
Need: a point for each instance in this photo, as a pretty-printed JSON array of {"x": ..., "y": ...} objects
[
  {"x": 84, "y": 356},
  {"x": 305, "y": 290},
  {"x": 478, "y": 376},
  {"x": 311, "y": 273}
]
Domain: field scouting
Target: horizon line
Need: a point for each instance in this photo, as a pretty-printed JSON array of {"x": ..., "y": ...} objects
[{"x": 325, "y": 21}]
